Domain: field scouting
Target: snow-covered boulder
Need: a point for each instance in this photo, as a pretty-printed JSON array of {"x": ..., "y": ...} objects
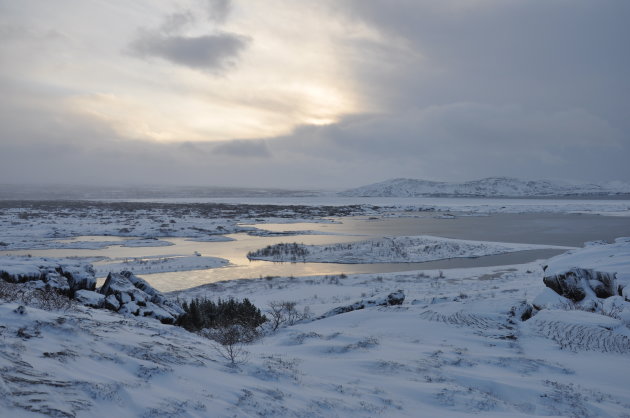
[
  {"x": 394, "y": 298},
  {"x": 573, "y": 284},
  {"x": 141, "y": 284},
  {"x": 65, "y": 275},
  {"x": 548, "y": 299},
  {"x": 89, "y": 298},
  {"x": 598, "y": 270},
  {"x": 130, "y": 308},
  {"x": 595, "y": 278},
  {"x": 523, "y": 311},
  {"x": 111, "y": 303},
  {"x": 157, "y": 312},
  {"x": 128, "y": 294},
  {"x": 55, "y": 280},
  {"x": 117, "y": 284},
  {"x": 79, "y": 275}
]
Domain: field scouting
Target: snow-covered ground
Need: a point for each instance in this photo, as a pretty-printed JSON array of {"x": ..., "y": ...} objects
[
  {"x": 452, "y": 348},
  {"x": 456, "y": 346},
  {"x": 414, "y": 249},
  {"x": 73, "y": 244}
]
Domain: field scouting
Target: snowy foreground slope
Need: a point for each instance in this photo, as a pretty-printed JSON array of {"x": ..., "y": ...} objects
[
  {"x": 456, "y": 346},
  {"x": 488, "y": 187}
]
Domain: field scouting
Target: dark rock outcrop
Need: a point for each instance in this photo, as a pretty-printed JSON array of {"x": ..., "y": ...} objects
[
  {"x": 577, "y": 283},
  {"x": 396, "y": 298},
  {"x": 67, "y": 278},
  {"x": 523, "y": 311},
  {"x": 79, "y": 277}
]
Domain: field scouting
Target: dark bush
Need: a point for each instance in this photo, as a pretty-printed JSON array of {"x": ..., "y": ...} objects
[
  {"x": 294, "y": 251},
  {"x": 205, "y": 313}
]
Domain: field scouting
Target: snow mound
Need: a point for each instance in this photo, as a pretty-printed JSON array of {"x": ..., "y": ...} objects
[
  {"x": 580, "y": 330},
  {"x": 412, "y": 249}
]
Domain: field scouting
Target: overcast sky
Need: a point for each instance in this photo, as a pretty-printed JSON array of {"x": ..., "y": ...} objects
[{"x": 312, "y": 93}]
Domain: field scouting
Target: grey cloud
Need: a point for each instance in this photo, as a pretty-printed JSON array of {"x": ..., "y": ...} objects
[
  {"x": 547, "y": 55},
  {"x": 243, "y": 148},
  {"x": 450, "y": 143},
  {"x": 45, "y": 143},
  {"x": 192, "y": 148},
  {"x": 176, "y": 22},
  {"x": 214, "y": 53},
  {"x": 12, "y": 32},
  {"x": 218, "y": 10},
  {"x": 467, "y": 140}
]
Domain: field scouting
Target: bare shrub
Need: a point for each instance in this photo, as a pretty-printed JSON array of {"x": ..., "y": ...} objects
[
  {"x": 46, "y": 298},
  {"x": 50, "y": 299},
  {"x": 597, "y": 307},
  {"x": 10, "y": 292},
  {"x": 285, "y": 313},
  {"x": 230, "y": 342}
]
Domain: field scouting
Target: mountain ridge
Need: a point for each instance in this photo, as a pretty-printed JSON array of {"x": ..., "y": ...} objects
[{"x": 486, "y": 187}]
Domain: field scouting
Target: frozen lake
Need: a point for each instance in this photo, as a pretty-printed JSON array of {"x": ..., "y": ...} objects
[{"x": 546, "y": 228}]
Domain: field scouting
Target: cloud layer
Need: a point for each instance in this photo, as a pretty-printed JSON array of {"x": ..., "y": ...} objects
[{"x": 316, "y": 94}]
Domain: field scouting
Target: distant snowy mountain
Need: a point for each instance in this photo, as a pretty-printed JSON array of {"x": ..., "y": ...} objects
[{"x": 488, "y": 187}]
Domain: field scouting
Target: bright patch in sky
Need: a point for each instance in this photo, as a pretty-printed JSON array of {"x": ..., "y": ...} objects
[{"x": 172, "y": 71}]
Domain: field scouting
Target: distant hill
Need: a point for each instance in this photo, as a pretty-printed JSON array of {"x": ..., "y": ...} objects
[{"x": 488, "y": 187}]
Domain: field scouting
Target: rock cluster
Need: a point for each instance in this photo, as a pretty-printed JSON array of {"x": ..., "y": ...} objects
[
  {"x": 122, "y": 292},
  {"x": 128, "y": 294},
  {"x": 595, "y": 278},
  {"x": 578, "y": 283},
  {"x": 66, "y": 277}
]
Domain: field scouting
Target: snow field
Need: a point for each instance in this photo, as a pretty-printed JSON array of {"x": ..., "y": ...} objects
[{"x": 451, "y": 349}]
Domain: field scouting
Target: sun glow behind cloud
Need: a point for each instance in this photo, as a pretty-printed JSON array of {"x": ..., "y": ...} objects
[{"x": 290, "y": 70}]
